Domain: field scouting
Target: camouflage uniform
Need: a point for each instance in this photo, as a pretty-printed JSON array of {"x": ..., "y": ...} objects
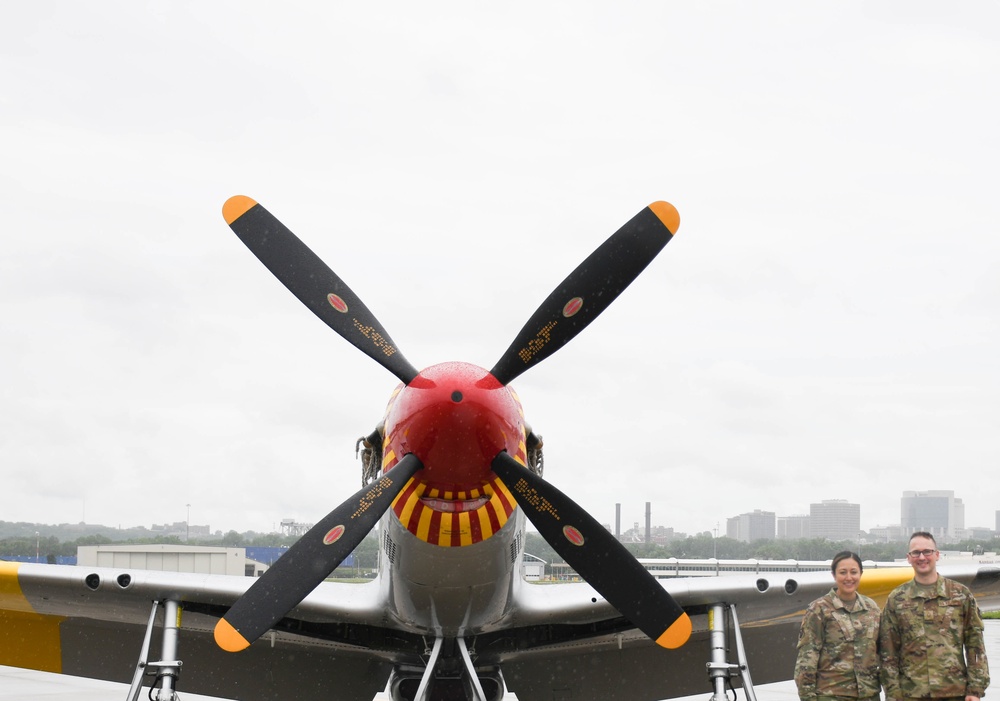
[
  {"x": 921, "y": 639},
  {"x": 837, "y": 654}
]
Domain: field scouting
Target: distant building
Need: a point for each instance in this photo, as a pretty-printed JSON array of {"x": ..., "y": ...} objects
[
  {"x": 533, "y": 567},
  {"x": 835, "y": 519},
  {"x": 181, "y": 529},
  {"x": 888, "y": 534},
  {"x": 757, "y": 525},
  {"x": 979, "y": 533},
  {"x": 793, "y": 527},
  {"x": 291, "y": 527},
  {"x": 937, "y": 512},
  {"x": 170, "y": 558}
]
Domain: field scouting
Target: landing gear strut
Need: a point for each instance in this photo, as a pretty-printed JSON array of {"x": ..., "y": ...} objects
[
  {"x": 449, "y": 673},
  {"x": 166, "y": 670},
  {"x": 720, "y": 671}
]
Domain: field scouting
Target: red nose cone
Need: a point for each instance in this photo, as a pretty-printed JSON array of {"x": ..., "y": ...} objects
[{"x": 456, "y": 418}]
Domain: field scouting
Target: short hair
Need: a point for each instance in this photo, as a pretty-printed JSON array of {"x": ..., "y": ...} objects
[
  {"x": 923, "y": 534},
  {"x": 845, "y": 555}
]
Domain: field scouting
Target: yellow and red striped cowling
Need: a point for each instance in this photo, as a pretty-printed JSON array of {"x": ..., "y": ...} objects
[
  {"x": 455, "y": 517},
  {"x": 453, "y": 528}
]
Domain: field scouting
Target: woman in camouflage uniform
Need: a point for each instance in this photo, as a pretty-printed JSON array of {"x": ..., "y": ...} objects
[{"x": 837, "y": 654}]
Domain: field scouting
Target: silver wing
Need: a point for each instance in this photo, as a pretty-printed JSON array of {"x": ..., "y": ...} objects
[{"x": 341, "y": 643}]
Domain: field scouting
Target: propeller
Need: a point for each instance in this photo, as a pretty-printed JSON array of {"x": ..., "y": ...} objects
[
  {"x": 586, "y": 545},
  {"x": 589, "y": 289},
  {"x": 311, "y": 560},
  {"x": 596, "y": 555},
  {"x": 316, "y": 286}
]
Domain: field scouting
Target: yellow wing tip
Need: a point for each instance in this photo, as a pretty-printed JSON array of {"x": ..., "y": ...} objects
[
  {"x": 236, "y": 207},
  {"x": 667, "y": 214},
  {"x": 228, "y": 638},
  {"x": 879, "y": 583},
  {"x": 677, "y": 634}
]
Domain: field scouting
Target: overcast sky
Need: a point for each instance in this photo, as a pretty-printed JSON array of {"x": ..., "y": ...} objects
[{"x": 826, "y": 324}]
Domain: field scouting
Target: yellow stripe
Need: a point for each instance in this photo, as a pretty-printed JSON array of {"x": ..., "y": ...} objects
[
  {"x": 484, "y": 521},
  {"x": 465, "y": 538},
  {"x": 501, "y": 487},
  {"x": 878, "y": 584},
  {"x": 410, "y": 504},
  {"x": 444, "y": 531},
  {"x": 27, "y": 639},
  {"x": 424, "y": 525},
  {"x": 11, "y": 598}
]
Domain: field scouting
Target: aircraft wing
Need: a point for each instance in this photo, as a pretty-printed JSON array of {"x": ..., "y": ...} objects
[
  {"x": 90, "y": 622},
  {"x": 558, "y": 638},
  {"x": 616, "y": 661}
]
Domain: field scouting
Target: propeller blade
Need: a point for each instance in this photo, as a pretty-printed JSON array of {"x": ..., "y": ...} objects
[
  {"x": 312, "y": 281},
  {"x": 596, "y": 555},
  {"x": 589, "y": 289},
  {"x": 311, "y": 560}
]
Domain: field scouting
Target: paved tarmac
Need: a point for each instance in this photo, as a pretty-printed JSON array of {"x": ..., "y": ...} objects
[{"x": 26, "y": 685}]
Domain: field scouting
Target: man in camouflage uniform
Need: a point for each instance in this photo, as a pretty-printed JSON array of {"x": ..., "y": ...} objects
[{"x": 931, "y": 634}]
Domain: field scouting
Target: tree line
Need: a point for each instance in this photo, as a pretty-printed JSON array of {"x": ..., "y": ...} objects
[
  {"x": 699, "y": 547},
  {"x": 704, "y": 546}
]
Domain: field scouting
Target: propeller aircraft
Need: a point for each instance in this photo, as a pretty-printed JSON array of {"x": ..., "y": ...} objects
[
  {"x": 454, "y": 444},
  {"x": 451, "y": 474}
]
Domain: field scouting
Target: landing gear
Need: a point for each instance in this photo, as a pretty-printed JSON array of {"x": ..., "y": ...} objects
[
  {"x": 449, "y": 674},
  {"x": 720, "y": 671},
  {"x": 168, "y": 669}
]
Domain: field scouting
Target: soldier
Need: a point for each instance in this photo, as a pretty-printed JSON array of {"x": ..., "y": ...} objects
[
  {"x": 931, "y": 635},
  {"x": 837, "y": 656}
]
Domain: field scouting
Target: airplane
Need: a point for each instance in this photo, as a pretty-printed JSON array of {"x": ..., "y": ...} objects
[{"x": 451, "y": 475}]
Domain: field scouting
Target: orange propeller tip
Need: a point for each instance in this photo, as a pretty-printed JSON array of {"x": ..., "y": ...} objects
[
  {"x": 228, "y": 638},
  {"x": 677, "y": 634},
  {"x": 667, "y": 214},
  {"x": 236, "y": 207}
]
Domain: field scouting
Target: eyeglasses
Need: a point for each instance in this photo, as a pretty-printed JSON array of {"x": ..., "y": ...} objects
[{"x": 921, "y": 553}]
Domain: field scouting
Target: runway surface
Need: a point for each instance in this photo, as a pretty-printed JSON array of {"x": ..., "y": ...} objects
[{"x": 26, "y": 685}]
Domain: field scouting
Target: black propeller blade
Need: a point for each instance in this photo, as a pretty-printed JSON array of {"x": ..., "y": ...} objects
[
  {"x": 596, "y": 555},
  {"x": 589, "y": 289},
  {"x": 310, "y": 560},
  {"x": 312, "y": 281}
]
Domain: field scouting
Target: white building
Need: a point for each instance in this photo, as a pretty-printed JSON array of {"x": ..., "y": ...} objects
[
  {"x": 835, "y": 520},
  {"x": 170, "y": 558},
  {"x": 748, "y": 527},
  {"x": 792, "y": 527}
]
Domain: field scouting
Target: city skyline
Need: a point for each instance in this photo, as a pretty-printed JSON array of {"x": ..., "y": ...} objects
[
  {"x": 717, "y": 528},
  {"x": 864, "y": 526}
]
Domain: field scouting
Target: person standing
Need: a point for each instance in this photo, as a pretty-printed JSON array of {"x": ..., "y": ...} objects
[
  {"x": 837, "y": 656},
  {"x": 931, "y": 634}
]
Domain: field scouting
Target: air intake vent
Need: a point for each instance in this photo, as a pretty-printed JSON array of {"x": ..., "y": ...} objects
[
  {"x": 515, "y": 548},
  {"x": 390, "y": 547}
]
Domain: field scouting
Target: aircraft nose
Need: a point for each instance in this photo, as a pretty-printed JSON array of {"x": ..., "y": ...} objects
[{"x": 455, "y": 418}]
